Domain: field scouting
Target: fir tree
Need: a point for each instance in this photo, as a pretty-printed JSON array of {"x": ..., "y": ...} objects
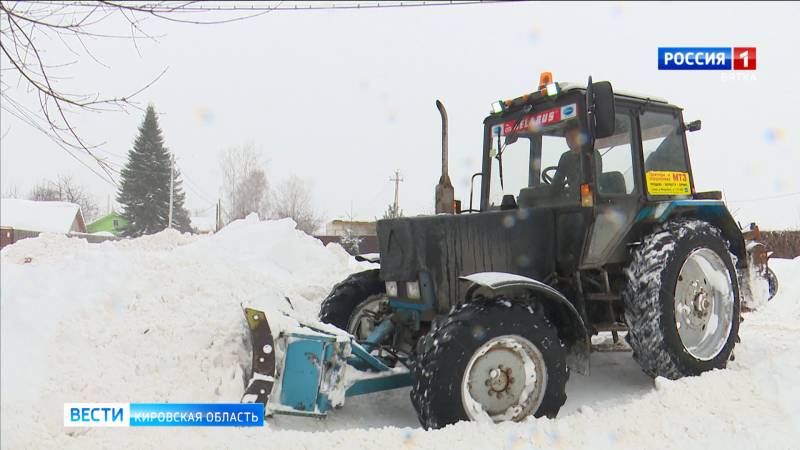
[
  {"x": 351, "y": 241},
  {"x": 392, "y": 212},
  {"x": 144, "y": 184}
]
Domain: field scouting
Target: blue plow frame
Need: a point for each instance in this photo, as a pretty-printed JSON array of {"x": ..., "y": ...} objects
[{"x": 311, "y": 378}]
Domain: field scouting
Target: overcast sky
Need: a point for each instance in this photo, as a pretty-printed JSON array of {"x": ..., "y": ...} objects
[{"x": 343, "y": 98}]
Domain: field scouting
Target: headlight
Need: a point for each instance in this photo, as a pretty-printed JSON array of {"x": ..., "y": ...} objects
[
  {"x": 497, "y": 107},
  {"x": 391, "y": 288},
  {"x": 552, "y": 89},
  {"x": 412, "y": 290}
]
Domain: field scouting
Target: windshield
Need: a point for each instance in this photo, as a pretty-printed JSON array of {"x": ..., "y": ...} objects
[{"x": 536, "y": 158}]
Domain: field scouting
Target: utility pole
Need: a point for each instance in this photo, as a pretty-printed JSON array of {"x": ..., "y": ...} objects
[
  {"x": 397, "y": 180},
  {"x": 171, "y": 188},
  {"x": 219, "y": 215}
]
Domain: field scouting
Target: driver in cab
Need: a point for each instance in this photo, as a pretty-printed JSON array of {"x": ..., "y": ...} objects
[{"x": 568, "y": 173}]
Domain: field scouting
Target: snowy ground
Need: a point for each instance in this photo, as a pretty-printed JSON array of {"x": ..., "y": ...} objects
[{"x": 158, "y": 319}]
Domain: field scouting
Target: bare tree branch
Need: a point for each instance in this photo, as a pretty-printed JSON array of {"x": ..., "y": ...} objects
[
  {"x": 244, "y": 182},
  {"x": 292, "y": 198},
  {"x": 65, "y": 189},
  {"x": 25, "y": 26}
]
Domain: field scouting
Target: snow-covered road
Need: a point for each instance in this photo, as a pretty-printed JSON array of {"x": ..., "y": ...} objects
[{"x": 157, "y": 319}]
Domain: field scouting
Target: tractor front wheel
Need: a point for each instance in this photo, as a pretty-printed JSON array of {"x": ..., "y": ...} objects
[
  {"x": 355, "y": 301},
  {"x": 497, "y": 359}
]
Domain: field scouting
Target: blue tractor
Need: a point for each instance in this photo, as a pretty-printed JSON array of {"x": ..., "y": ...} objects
[{"x": 588, "y": 222}]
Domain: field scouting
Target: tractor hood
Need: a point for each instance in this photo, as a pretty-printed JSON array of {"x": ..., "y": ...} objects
[{"x": 447, "y": 246}]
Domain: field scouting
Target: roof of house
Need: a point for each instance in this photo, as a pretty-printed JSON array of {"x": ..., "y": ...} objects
[{"x": 54, "y": 217}]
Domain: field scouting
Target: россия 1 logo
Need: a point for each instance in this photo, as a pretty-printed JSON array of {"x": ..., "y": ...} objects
[{"x": 706, "y": 58}]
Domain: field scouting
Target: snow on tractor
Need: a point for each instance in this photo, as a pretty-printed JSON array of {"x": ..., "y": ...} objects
[{"x": 587, "y": 222}]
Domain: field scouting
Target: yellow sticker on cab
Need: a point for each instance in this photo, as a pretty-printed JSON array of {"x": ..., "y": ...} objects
[{"x": 668, "y": 183}]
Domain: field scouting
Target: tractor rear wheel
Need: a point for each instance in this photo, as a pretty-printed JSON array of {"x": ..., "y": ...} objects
[
  {"x": 495, "y": 359},
  {"x": 682, "y": 300},
  {"x": 350, "y": 296}
]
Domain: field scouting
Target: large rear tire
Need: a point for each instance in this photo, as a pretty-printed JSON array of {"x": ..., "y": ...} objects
[
  {"x": 682, "y": 300},
  {"x": 344, "y": 299},
  {"x": 495, "y": 358}
]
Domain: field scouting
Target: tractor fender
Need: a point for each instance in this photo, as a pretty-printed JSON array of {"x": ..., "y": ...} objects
[
  {"x": 712, "y": 211},
  {"x": 561, "y": 310}
]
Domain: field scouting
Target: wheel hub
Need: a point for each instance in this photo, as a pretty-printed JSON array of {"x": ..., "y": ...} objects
[
  {"x": 696, "y": 307},
  {"x": 703, "y": 304},
  {"x": 499, "y": 380},
  {"x": 505, "y": 378},
  {"x": 367, "y": 316}
]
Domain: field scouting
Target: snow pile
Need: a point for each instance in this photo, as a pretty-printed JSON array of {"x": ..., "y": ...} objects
[
  {"x": 59, "y": 247},
  {"x": 152, "y": 319},
  {"x": 159, "y": 320}
]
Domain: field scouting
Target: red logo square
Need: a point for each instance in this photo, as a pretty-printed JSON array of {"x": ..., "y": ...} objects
[{"x": 744, "y": 58}]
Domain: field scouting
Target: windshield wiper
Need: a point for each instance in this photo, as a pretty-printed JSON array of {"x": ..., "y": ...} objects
[
  {"x": 499, "y": 158},
  {"x": 510, "y": 139}
]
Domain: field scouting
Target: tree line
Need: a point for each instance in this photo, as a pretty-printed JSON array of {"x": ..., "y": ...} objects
[
  {"x": 145, "y": 180},
  {"x": 144, "y": 191},
  {"x": 246, "y": 190}
]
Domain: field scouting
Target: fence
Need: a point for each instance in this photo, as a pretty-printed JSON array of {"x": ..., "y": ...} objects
[
  {"x": 12, "y": 235},
  {"x": 785, "y": 244}
]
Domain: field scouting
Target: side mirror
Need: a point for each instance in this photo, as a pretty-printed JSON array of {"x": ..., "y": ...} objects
[
  {"x": 604, "y": 110},
  {"x": 693, "y": 125}
]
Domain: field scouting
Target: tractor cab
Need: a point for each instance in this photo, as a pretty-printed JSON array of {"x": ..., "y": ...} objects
[{"x": 595, "y": 166}]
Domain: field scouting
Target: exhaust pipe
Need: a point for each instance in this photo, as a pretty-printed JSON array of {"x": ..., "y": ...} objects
[{"x": 445, "y": 196}]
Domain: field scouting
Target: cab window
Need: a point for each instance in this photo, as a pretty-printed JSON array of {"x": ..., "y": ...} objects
[
  {"x": 662, "y": 143},
  {"x": 664, "y": 155},
  {"x": 615, "y": 171}
]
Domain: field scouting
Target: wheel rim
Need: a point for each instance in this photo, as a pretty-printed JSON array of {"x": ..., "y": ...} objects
[
  {"x": 704, "y": 304},
  {"x": 505, "y": 379},
  {"x": 366, "y": 316}
]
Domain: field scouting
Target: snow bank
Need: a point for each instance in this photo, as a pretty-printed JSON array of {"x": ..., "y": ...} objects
[
  {"x": 158, "y": 319},
  {"x": 152, "y": 319}
]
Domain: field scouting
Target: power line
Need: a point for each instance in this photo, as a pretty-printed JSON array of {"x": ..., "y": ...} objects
[
  {"x": 203, "y": 211},
  {"x": 195, "y": 188},
  {"x": 281, "y": 6},
  {"x": 790, "y": 194},
  {"x": 118, "y": 167},
  {"x": 21, "y": 116}
]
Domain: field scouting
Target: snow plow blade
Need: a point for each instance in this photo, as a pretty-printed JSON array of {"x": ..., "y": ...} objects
[
  {"x": 308, "y": 369},
  {"x": 262, "y": 377}
]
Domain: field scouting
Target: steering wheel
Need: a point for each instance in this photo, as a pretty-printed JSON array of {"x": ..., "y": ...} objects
[{"x": 546, "y": 177}]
